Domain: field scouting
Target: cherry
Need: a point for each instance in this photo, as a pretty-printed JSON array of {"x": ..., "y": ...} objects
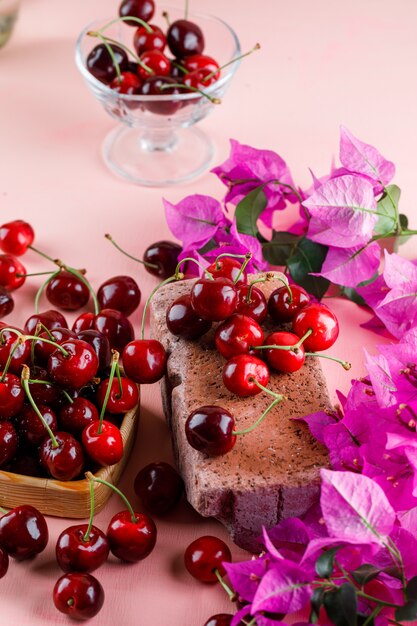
[
  {"x": 41, "y": 393},
  {"x": 119, "y": 401},
  {"x": 144, "y": 41},
  {"x": 161, "y": 86},
  {"x": 159, "y": 487},
  {"x": 228, "y": 267},
  {"x": 75, "y": 552},
  {"x": 220, "y": 619},
  {"x": 144, "y": 360},
  {"x": 50, "y": 319},
  {"x": 143, "y": 9},
  {"x": 322, "y": 321},
  {"x": 85, "y": 321},
  {"x": 65, "y": 461},
  {"x": 6, "y": 302},
  {"x": 196, "y": 62},
  {"x": 26, "y": 465},
  {"x": 9, "y": 268},
  {"x": 78, "y": 595},
  {"x": 209, "y": 429},
  {"x": 241, "y": 372},
  {"x": 44, "y": 350},
  {"x": 199, "y": 79},
  {"x": 128, "y": 83},
  {"x": 100, "y": 63},
  {"x": 30, "y": 427},
  {"x": 21, "y": 354},
  {"x": 77, "y": 367},
  {"x": 8, "y": 444},
  {"x": 185, "y": 38},
  {"x": 101, "y": 346},
  {"x": 12, "y": 396},
  {"x": 156, "y": 61},
  {"x": 16, "y": 237},
  {"x": 284, "y": 360},
  {"x": 214, "y": 300},
  {"x": 163, "y": 254},
  {"x": 131, "y": 539},
  {"x": 23, "y": 532},
  {"x": 110, "y": 323},
  {"x": 104, "y": 444},
  {"x": 237, "y": 335},
  {"x": 182, "y": 320},
  {"x": 4, "y": 562},
  {"x": 283, "y": 306},
  {"x": 121, "y": 293},
  {"x": 204, "y": 556},
  {"x": 256, "y": 307},
  {"x": 66, "y": 291},
  {"x": 75, "y": 416}
]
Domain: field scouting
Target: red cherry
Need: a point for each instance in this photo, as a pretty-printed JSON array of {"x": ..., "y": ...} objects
[
  {"x": 220, "y": 619},
  {"x": 116, "y": 327},
  {"x": 12, "y": 396},
  {"x": 23, "y": 532},
  {"x": 101, "y": 346},
  {"x": 100, "y": 63},
  {"x": 16, "y": 237},
  {"x": 50, "y": 319},
  {"x": 322, "y": 321},
  {"x": 64, "y": 462},
  {"x": 241, "y": 371},
  {"x": 75, "y": 416},
  {"x": 204, "y": 556},
  {"x": 196, "y": 62},
  {"x": 118, "y": 401},
  {"x": 105, "y": 447},
  {"x": 209, "y": 429},
  {"x": 26, "y": 465},
  {"x": 6, "y": 302},
  {"x": 66, "y": 291},
  {"x": 185, "y": 38},
  {"x": 256, "y": 307},
  {"x": 144, "y": 41},
  {"x": 163, "y": 254},
  {"x": 161, "y": 86},
  {"x": 30, "y": 427},
  {"x": 78, "y": 595},
  {"x": 128, "y": 83},
  {"x": 75, "y": 369},
  {"x": 121, "y": 293},
  {"x": 237, "y": 335},
  {"x": 131, "y": 540},
  {"x": 159, "y": 487},
  {"x": 182, "y": 320},
  {"x": 20, "y": 356},
  {"x": 144, "y": 360},
  {"x": 228, "y": 267},
  {"x": 214, "y": 300},
  {"x": 85, "y": 321},
  {"x": 44, "y": 350},
  {"x": 74, "y": 553},
  {"x": 41, "y": 393},
  {"x": 283, "y": 306},
  {"x": 8, "y": 445},
  {"x": 200, "y": 79},
  {"x": 143, "y": 9},
  {"x": 4, "y": 562},
  {"x": 284, "y": 360},
  {"x": 9, "y": 268},
  {"x": 156, "y": 61}
]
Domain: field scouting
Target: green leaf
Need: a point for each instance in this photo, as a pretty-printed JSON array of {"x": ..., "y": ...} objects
[
  {"x": 309, "y": 257},
  {"x": 210, "y": 245},
  {"x": 352, "y": 294},
  {"x": 325, "y": 563},
  {"x": 316, "y": 600},
  {"x": 341, "y": 605},
  {"x": 408, "y": 612},
  {"x": 403, "y": 221},
  {"x": 249, "y": 209},
  {"x": 387, "y": 222},
  {"x": 411, "y": 589},
  {"x": 364, "y": 573},
  {"x": 277, "y": 251}
]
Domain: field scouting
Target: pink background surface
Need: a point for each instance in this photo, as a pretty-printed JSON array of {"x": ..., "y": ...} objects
[{"x": 320, "y": 65}]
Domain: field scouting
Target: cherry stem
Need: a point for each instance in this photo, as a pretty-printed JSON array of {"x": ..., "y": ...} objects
[
  {"x": 52, "y": 343},
  {"x": 114, "y": 364},
  {"x": 107, "y": 40},
  {"x": 45, "y": 256},
  {"x": 345, "y": 364},
  {"x": 116, "y": 245},
  {"x": 268, "y": 391},
  {"x": 38, "y": 330},
  {"x": 165, "y": 15},
  {"x": 90, "y": 477},
  {"x": 66, "y": 394},
  {"x": 248, "y": 257},
  {"x": 3, "y": 510},
  {"x": 231, "y": 256},
  {"x": 242, "y": 56},
  {"x": 277, "y": 400},
  {"x": 119, "y": 378},
  {"x": 177, "y": 276},
  {"x": 268, "y": 276},
  {"x": 42, "y": 287},
  {"x": 25, "y": 384},
  {"x": 19, "y": 341},
  {"x": 70, "y": 602},
  {"x": 180, "y": 67},
  {"x": 200, "y": 265},
  {"x": 129, "y": 18},
  {"x": 186, "y": 10},
  {"x": 33, "y": 274},
  {"x": 293, "y": 348},
  {"x": 230, "y": 593},
  {"x": 212, "y": 99},
  {"x": 92, "y": 507}
]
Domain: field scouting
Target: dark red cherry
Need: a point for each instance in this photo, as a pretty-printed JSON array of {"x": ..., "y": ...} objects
[
  {"x": 26, "y": 464},
  {"x": 209, "y": 429},
  {"x": 144, "y": 360},
  {"x": 6, "y": 302},
  {"x": 284, "y": 360},
  {"x": 182, "y": 320},
  {"x": 78, "y": 595},
  {"x": 159, "y": 487},
  {"x": 228, "y": 267},
  {"x": 161, "y": 86},
  {"x": 214, "y": 300},
  {"x": 115, "y": 326},
  {"x": 220, "y": 619},
  {"x": 9, "y": 268},
  {"x": 30, "y": 427},
  {"x": 185, "y": 38},
  {"x": 156, "y": 61},
  {"x": 23, "y": 532},
  {"x": 100, "y": 63},
  {"x": 322, "y": 321},
  {"x": 119, "y": 400},
  {"x": 8, "y": 443},
  {"x": 256, "y": 307},
  {"x": 163, "y": 254},
  {"x": 67, "y": 292},
  {"x": 196, "y": 62},
  {"x": 75, "y": 416},
  {"x": 128, "y": 83},
  {"x": 12, "y": 396},
  {"x": 75, "y": 553},
  {"x": 4, "y": 562},
  {"x": 105, "y": 447},
  {"x": 143, "y": 41},
  {"x": 16, "y": 237},
  {"x": 237, "y": 335},
  {"x": 85, "y": 321},
  {"x": 76, "y": 368},
  {"x": 9, "y": 343},
  {"x": 43, "y": 350},
  {"x": 241, "y": 371},
  {"x": 204, "y": 556},
  {"x": 121, "y": 293},
  {"x": 101, "y": 346},
  {"x": 50, "y": 319},
  {"x": 131, "y": 540},
  {"x": 143, "y": 9},
  {"x": 283, "y": 306},
  {"x": 42, "y": 393},
  {"x": 64, "y": 462}
]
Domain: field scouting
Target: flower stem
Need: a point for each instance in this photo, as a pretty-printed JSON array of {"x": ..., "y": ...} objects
[
  {"x": 345, "y": 364},
  {"x": 25, "y": 384},
  {"x": 90, "y": 477},
  {"x": 273, "y": 404},
  {"x": 114, "y": 364},
  {"x": 92, "y": 507},
  {"x": 177, "y": 276},
  {"x": 116, "y": 245}
]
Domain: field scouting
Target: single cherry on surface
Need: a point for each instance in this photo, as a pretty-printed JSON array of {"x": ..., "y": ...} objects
[
  {"x": 164, "y": 255},
  {"x": 64, "y": 461},
  {"x": 78, "y": 595},
  {"x": 241, "y": 373},
  {"x": 237, "y": 335},
  {"x": 182, "y": 320},
  {"x": 67, "y": 292},
  {"x": 214, "y": 300},
  {"x": 143, "y": 40},
  {"x": 209, "y": 429},
  {"x": 121, "y": 293},
  {"x": 75, "y": 552},
  {"x": 185, "y": 38},
  {"x": 143, "y": 9},
  {"x": 6, "y": 302},
  {"x": 144, "y": 360},
  {"x": 16, "y": 237},
  {"x": 323, "y": 323},
  {"x": 100, "y": 63},
  {"x": 130, "y": 540},
  {"x": 204, "y": 556},
  {"x": 251, "y": 303},
  {"x": 284, "y": 303},
  {"x": 228, "y": 267},
  {"x": 104, "y": 444},
  {"x": 12, "y": 272},
  {"x": 128, "y": 83},
  {"x": 4, "y": 562},
  {"x": 8, "y": 442},
  {"x": 23, "y": 532},
  {"x": 75, "y": 368},
  {"x": 287, "y": 361},
  {"x": 50, "y": 319},
  {"x": 119, "y": 400},
  {"x": 220, "y": 619},
  {"x": 159, "y": 487}
]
